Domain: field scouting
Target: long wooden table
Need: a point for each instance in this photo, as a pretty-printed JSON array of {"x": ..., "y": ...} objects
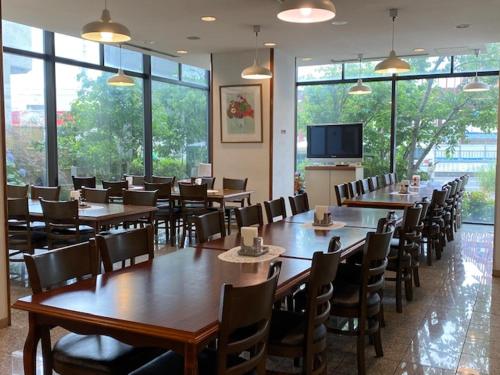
[
  {"x": 389, "y": 198},
  {"x": 101, "y": 214},
  {"x": 171, "y": 302}
]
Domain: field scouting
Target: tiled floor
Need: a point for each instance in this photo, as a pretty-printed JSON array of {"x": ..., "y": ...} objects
[{"x": 451, "y": 327}]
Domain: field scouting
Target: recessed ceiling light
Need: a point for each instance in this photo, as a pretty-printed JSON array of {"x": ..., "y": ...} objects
[
  {"x": 463, "y": 26},
  {"x": 306, "y": 58},
  {"x": 270, "y": 44},
  {"x": 208, "y": 18},
  {"x": 339, "y": 23},
  {"x": 193, "y": 37},
  {"x": 419, "y": 50},
  {"x": 150, "y": 42},
  {"x": 182, "y": 52}
]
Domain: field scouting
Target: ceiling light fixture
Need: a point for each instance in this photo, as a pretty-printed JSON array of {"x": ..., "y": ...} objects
[
  {"x": 307, "y": 59},
  {"x": 339, "y": 23},
  {"x": 306, "y": 11},
  {"x": 270, "y": 44},
  {"x": 476, "y": 85},
  {"x": 120, "y": 79},
  {"x": 182, "y": 52},
  {"x": 256, "y": 71},
  {"x": 463, "y": 26},
  {"x": 208, "y": 19},
  {"x": 419, "y": 50},
  {"x": 105, "y": 30},
  {"x": 393, "y": 64},
  {"x": 359, "y": 88}
]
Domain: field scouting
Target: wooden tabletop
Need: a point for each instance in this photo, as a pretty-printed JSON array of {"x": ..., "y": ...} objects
[
  {"x": 175, "y": 296},
  {"x": 352, "y": 216},
  {"x": 389, "y": 198},
  {"x": 299, "y": 242},
  {"x": 212, "y": 193}
]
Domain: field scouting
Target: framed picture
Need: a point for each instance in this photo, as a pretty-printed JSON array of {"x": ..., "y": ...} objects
[{"x": 241, "y": 113}]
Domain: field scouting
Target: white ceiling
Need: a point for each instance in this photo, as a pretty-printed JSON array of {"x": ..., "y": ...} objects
[{"x": 429, "y": 24}]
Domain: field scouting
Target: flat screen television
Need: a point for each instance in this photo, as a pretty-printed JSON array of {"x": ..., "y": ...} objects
[{"x": 337, "y": 143}]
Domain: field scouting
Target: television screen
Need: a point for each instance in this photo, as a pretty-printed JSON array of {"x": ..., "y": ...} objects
[{"x": 336, "y": 141}]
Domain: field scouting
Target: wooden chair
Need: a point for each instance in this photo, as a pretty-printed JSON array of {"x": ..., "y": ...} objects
[
  {"x": 139, "y": 198},
  {"x": 248, "y": 216},
  {"x": 62, "y": 223},
  {"x": 115, "y": 189},
  {"x": 136, "y": 180},
  {"x": 73, "y": 353},
  {"x": 209, "y": 225},
  {"x": 209, "y": 181},
  {"x": 341, "y": 193},
  {"x": 381, "y": 181},
  {"x": 275, "y": 208},
  {"x": 166, "y": 211},
  {"x": 17, "y": 191},
  {"x": 299, "y": 203},
  {"x": 373, "y": 183},
  {"x": 193, "y": 202},
  {"x": 45, "y": 192},
  {"x": 79, "y": 182},
  {"x": 387, "y": 179},
  {"x": 363, "y": 186},
  {"x": 95, "y": 195},
  {"x": 126, "y": 245},
  {"x": 358, "y": 295},
  {"x": 394, "y": 178},
  {"x": 163, "y": 180},
  {"x": 303, "y": 334},
  {"x": 241, "y": 330},
  {"x": 353, "y": 189},
  {"x": 234, "y": 184},
  {"x": 433, "y": 230}
]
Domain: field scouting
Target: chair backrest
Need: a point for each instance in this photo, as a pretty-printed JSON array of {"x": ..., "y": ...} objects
[
  {"x": 394, "y": 178},
  {"x": 364, "y": 187},
  {"x": 234, "y": 183},
  {"x": 123, "y": 246},
  {"x": 17, "y": 191},
  {"x": 387, "y": 179},
  {"x": 115, "y": 187},
  {"x": 19, "y": 228},
  {"x": 60, "y": 212},
  {"x": 209, "y": 181},
  {"x": 209, "y": 225},
  {"x": 95, "y": 195},
  {"x": 193, "y": 195},
  {"x": 425, "y": 204},
  {"x": 438, "y": 198},
  {"x": 17, "y": 209},
  {"x": 299, "y": 203},
  {"x": 54, "y": 268},
  {"x": 140, "y": 198},
  {"x": 136, "y": 180},
  {"x": 246, "y": 310},
  {"x": 49, "y": 193},
  {"x": 79, "y": 182},
  {"x": 411, "y": 219},
  {"x": 163, "y": 180},
  {"x": 352, "y": 189},
  {"x": 275, "y": 208},
  {"x": 341, "y": 193},
  {"x": 164, "y": 189},
  {"x": 373, "y": 183},
  {"x": 248, "y": 216},
  {"x": 381, "y": 181}
]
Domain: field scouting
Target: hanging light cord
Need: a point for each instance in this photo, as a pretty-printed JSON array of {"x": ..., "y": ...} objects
[
  {"x": 360, "y": 57},
  {"x": 120, "y": 59},
  {"x": 393, "y": 31},
  {"x": 256, "y": 59},
  {"x": 477, "y": 61},
  {"x": 105, "y": 4}
]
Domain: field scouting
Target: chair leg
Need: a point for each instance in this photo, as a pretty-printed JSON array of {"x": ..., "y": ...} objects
[
  {"x": 361, "y": 354},
  {"x": 416, "y": 277},
  {"x": 408, "y": 285},
  {"x": 399, "y": 292},
  {"x": 229, "y": 222},
  {"x": 377, "y": 339},
  {"x": 430, "y": 242}
]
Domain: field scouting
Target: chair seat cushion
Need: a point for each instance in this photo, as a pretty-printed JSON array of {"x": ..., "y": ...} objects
[
  {"x": 288, "y": 329},
  {"x": 100, "y": 354},
  {"x": 347, "y": 295},
  {"x": 83, "y": 229}
]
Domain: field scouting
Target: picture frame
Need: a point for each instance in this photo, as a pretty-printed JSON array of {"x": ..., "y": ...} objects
[{"x": 241, "y": 113}]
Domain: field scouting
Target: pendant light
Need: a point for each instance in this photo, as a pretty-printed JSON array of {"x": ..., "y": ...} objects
[
  {"x": 393, "y": 64},
  {"x": 476, "y": 85},
  {"x": 105, "y": 30},
  {"x": 120, "y": 79},
  {"x": 359, "y": 88},
  {"x": 256, "y": 71},
  {"x": 306, "y": 11}
]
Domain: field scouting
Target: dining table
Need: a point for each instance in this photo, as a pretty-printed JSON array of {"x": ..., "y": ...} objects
[{"x": 170, "y": 302}]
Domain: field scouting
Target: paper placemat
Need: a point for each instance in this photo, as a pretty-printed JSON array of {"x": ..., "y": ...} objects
[
  {"x": 334, "y": 225},
  {"x": 209, "y": 191},
  {"x": 232, "y": 255},
  {"x": 404, "y": 194}
]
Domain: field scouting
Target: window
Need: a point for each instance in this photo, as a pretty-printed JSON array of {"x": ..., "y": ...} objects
[
  {"x": 486, "y": 61},
  {"x": 193, "y": 74},
  {"x": 76, "y": 48},
  {"x": 24, "y": 86},
  {"x": 22, "y": 37},
  {"x": 351, "y": 70},
  {"x": 100, "y": 127},
  {"x": 330, "y": 104},
  {"x": 180, "y": 129},
  {"x": 130, "y": 60},
  {"x": 164, "y": 68},
  {"x": 428, "y": 65},
  {"x": 319, "y": 72},
  {"x": 443, "y": 132}
]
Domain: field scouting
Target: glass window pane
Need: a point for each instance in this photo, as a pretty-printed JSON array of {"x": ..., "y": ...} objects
[
  {"x": 131, "y": 60},
  {"x": 180, "y": 129},
  {"x": 487, "y": 61},
  {"x": 319, "y": 72},
  {"x": 351, "y": 70},
  {"x": 331, "y": 104},
  {"x": 164, "y": 68},
  {"x": 76, "y": 48},
  {"x": 100, "y": 127},
  {"x": 24, "y": 86},
  {"x": 443, "y": 133},
  {"x": 194, "y": 74},
  {"x": 428, "y": 65},
  {"x": 23, "y": 37}
]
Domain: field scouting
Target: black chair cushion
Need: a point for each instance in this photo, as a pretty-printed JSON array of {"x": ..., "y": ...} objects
[
  {"x": 288, "y": 329},
  {"x": 83, "y": 229},
  {"x": 100, "y": 354},
  {"x": 347, "y": 296}
]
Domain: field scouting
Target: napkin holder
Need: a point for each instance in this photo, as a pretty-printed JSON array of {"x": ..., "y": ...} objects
[
  {"x": 256, "y": 250},
  {"x": 326, "y": 221}
]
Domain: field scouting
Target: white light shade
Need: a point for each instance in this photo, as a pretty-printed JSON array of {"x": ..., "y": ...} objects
[
  {"x": 360, "y": 89},
  {"x": 476, "y": 86},
  {"x": 105, "y": 30},
  {"x": 306, "y": 11},
  {"x": 256, "y": 72},
  {"x": 392, "y": 65},
  {"x": 121, "y": 80}
]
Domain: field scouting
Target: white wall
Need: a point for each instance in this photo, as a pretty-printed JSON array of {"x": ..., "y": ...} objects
[
  {"x": 496, "y": 255},
  {"x": 237, "y": 160}
]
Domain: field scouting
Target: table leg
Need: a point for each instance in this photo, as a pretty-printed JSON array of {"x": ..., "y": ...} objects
[
  {"x": 30, "y": 345},
  {"x": 190, "y": 360}
]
